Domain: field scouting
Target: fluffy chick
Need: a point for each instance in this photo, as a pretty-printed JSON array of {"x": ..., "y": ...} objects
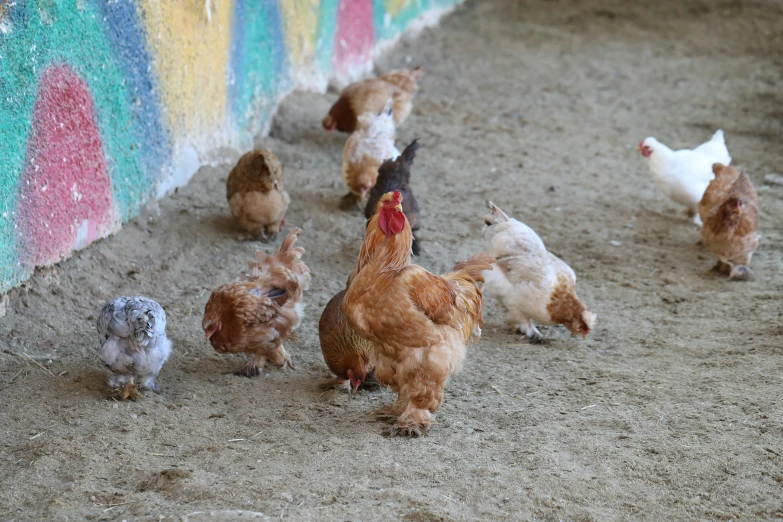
[
  {"x": 371, "y": 95},
  {"x": 532, "y": 283},
  {"x": 257, "y": 195},
  {"x": 396, "y": 175},
  {"x": 347, "y": 354},
  {"x": 364, "y": 152},
  {"x": 257, "y": 313},
  {"x": 133, "y": 343},
  {"x": 683, "y": 175},
  {"x": 729, "y": 210}
]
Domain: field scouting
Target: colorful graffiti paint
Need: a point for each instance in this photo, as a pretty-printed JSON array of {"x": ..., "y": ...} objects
[{"x": 104, "y": 105}]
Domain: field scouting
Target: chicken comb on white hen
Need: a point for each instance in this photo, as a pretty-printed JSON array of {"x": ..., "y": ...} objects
[
  {"x": 683, "y": 175},
  {"x": 133, "y": 342}
]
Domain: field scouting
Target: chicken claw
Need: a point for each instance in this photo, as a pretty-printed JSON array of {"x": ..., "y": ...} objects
[
  {"x": 721, "y": 267},
  {"x": 129, "y": 391},
  {"x": 253, "y": 368},
  {"x": 412, "y": 431}
]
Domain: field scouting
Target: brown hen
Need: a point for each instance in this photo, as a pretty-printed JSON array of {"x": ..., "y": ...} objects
[
  {"x": 257, "y": 313},
  {"x": 256, "y": 194},
  {"x": 347, "y": 354},
  {"x": 371, "y": 95},
  {"x": 729, "y": 210}
]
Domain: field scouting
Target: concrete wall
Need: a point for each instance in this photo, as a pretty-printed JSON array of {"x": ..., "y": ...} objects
[{"x": 107, "y": 104}]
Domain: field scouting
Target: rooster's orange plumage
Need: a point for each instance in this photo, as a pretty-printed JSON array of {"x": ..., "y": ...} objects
[{"x": 420, "y": 323}]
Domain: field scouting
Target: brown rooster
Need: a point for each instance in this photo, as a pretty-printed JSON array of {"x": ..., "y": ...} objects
[
  {"x": 347, "y": 354},
  {"x": 420, "y": 323},
  {"x": 371, "y": 95},
  {"x": 256, "y": 194},
  {"x": 729, "y": 210},
  {"x": 257, "y": 313}
]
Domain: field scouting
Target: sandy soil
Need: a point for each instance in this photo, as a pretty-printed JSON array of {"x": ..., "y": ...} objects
[{"x": 670, "y": 411}]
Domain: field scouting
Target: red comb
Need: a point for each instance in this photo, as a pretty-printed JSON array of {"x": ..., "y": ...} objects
[
  {"x": 641, "y": 144},
  {"x": 397, "y": 197}
]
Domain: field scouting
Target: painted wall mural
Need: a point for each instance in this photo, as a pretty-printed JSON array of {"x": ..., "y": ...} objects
[{"x": 107, "y": 104}]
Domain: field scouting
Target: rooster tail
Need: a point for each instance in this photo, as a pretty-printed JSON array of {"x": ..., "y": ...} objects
[
  {"x": 466, "y": 276},
  {"x": 718, "y": 136},
  {"x": 288, "y": 256}
]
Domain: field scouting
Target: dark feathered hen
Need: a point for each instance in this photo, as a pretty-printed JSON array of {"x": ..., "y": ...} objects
[
  {"x": 396, "y": 175},
  {"x": 347, "y": 354}
]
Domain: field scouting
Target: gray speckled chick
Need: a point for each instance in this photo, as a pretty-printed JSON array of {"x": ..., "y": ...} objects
[{"x": 134, "y": 343}]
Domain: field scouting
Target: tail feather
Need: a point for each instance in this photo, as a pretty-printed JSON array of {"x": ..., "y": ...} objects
[
  {"x": 288, "y": 256},
  {"x": 718, "y": 136},
  {"x": 408, "y": 155},
  {"x": 466, "y": 276}
]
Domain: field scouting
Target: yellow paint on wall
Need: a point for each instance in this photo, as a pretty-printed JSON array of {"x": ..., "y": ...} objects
[
  {"x": 300, "y": 19},
  {"x": 190, "y": 42},
  {"x": 394, "y": 7}
]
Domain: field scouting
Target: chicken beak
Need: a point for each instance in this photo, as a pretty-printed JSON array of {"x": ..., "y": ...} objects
[
  {"x": 398, "y": 208},
  {"x": 584, "y": 336}
]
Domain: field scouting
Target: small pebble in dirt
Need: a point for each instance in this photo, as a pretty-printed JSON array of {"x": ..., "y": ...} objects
[
  {"x": 115, "y": 405},
  {"x": 551, "y": 189},
  {"x": 134, "y": 416},
  {"x": 614, "y": 242}
]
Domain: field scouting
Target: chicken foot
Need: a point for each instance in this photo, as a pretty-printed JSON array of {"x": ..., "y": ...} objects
[
  {"x": 129, "y": 391},
  {"x": 413, "y": 422},
  {"x": 527, "y": 328}
]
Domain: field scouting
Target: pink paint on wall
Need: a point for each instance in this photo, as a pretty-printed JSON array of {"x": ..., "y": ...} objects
[
  {"x": 65, "y": 196},
  {"x": 355, "y": 35}
]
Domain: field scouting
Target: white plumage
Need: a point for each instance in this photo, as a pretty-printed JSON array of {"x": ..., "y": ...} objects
[
  {"x": 683, "y": 175},
  {"x": 133, "y": 341},
  {"x": 532, "y": 283}
]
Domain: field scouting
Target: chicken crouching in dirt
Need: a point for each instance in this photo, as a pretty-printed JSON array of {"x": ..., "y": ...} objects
[
  {"x": 371, "y": 95},
  {"x": 534, "y": 285},
  {"x": 730, "y": 213},
  {"x": 258, "y": 313},
  {"x": 364, "y": 152},
  {"x": 257, "y": 196},
  {"x": 420, "y": 323},
  {"x": 347, "y": 354},
  {"x": 133, "y": 343},
  {"x": 683, "y": 175},
  {"x": 396, "y": 175}
]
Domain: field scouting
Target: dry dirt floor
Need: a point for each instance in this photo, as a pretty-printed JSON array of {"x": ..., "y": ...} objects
[{"x": 671, "y": 410}]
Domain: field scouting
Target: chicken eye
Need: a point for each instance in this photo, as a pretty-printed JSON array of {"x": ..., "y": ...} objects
[{"x": 486, "y": 222}]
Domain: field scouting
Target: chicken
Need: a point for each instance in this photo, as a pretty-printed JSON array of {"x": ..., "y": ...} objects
[
  {"x": 364, "y": 152},
  {"x": 257, "y": 313},
  {"x": 533, "y": 284},
  {"x": 256, "y": 194},
  {"x": 396, "y": 175},
  {"x": 370, "y": 96},
  {"x": 683, "y": 175},
  {"x": 347, "y": 354},
  {"x": 420, "y": 323},
  {"x": 133, "y": 343},
  {"x": 730, "y": 213}
]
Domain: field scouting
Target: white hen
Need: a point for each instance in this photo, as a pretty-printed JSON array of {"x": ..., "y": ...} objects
[
  {"x": 531, "y": 282},
  {"x": 133, "y": 342},
  {"x": 683, "y": 175},
  {"x": 365, "y": 151}
]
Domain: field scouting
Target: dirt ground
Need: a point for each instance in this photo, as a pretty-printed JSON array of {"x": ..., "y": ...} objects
[{"x": 670, "y": 411}]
